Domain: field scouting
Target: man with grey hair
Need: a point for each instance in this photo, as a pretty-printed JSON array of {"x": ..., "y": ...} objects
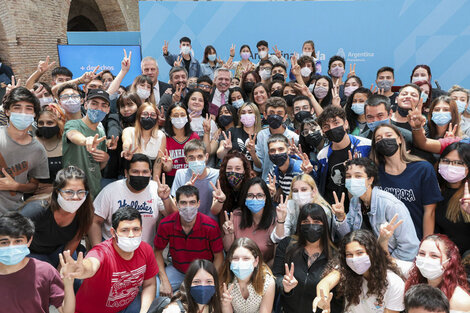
[
  {"x": 149, "y": 67},
  {"x": 220, "y": 95},
  {"x": 178, "y": 81}
]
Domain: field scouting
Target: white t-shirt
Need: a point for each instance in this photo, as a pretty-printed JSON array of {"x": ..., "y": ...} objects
[
  {"x": 393, "y": 297},
  {"x": 117, "y": 194},
  {"x": 152, "y": 146},
  {"x": 196, "y": 126}
]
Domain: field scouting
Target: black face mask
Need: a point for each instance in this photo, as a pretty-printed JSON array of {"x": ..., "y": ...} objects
[
  {"x": 48, "y": 132},
  {"x": 279, "y": 76},
  {"x": 311, "y": 232},
  {"x": 302, "y": 115},
  {"x": 278, "y": 159},
  {"x": 139, "y": 182},
  {"x": 224, "y": 120},
  {"x": 148, "y": 122},
  {"x": 289, "y": 100},
  {"x": 248, "y": 86},
  {"x": 313, "y": 139},
  {"x": 274, "y": 121},
  {"x": 128, "y": 119},
  {"x": 335, "y": 134},
  {"x": 387, "y": 146},
  {"x": 276, "y": 93},
  {"x": 402, "y": 112}
]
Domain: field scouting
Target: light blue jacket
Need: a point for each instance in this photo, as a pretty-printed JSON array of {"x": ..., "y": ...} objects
[
  {"x": 194, "y": 66},
  {"x": 383, "y": 206}
]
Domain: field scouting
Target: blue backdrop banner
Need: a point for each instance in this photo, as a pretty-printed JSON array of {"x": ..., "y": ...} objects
[
  {"x": 372, "y": 34},
  {"x": 84, "y": 58}
]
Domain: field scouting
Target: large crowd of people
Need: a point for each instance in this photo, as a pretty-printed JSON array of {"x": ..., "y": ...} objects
[{"x": 238, "y": 186}]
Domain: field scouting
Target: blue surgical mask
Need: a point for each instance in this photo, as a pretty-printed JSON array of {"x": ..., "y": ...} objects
[
  {"x": 242, "y": 269},
  {"x": 372, "y": 126},
  {"x": 461, "y": 105},
  {"x": 238, "y": 103},
  {"x": 358, "y": 108},
  {"x": 202, "y": 294},
  {"x": 211, "y": 57},
  {"x": 13, "y": 255},
  {"x": 441, "y": 118},
  {"x": 197, "y": 167},
  {"x": 254, "y": 205},
  {"x": 424, "y": 96},
  {"x": 95, "y": 116},
  {"x": 21, "y": 121},
  {"x": 356, "y": 186}
]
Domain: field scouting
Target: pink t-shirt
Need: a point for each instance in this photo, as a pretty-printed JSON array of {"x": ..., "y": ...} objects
[
  {"x": 117, "y": 281},
  {"x": 176, "y": 151},
  {"x": 32, "y": 289}
]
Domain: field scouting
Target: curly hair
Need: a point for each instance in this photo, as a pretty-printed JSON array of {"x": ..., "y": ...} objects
[
  {"x": 454, "y": 274},
  {"x": 350, "y": 283}
]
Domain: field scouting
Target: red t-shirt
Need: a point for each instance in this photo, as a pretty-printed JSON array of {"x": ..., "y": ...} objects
[
  {"x": 176, "y": 152},
  {"x": 201, "y": 243},
  {"x": 32, "y": 289},
  {"x": 116, "y": 283}
]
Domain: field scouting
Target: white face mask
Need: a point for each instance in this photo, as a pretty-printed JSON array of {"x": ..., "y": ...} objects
[
  {"x": 302, "y": 198},
  {"x": 262, "y": 54},
  {"x": 305, "y": 71},
  {"x": 307, "y": 53},
  {"x": 70, "y": 206},
  {"x": 179, "y": 122},
  {"x": 430, "y": 268},
  {"x": 128, "y": 244},
  {"x": 45, "y": 101},
  {"x": 143, "y": 93},
  {"x": 185, "y": 50}
]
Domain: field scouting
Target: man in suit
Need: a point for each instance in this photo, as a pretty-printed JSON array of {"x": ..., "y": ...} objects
[
  {"x": 149, "y": 67},
  {"x": 219, "y": 97}
]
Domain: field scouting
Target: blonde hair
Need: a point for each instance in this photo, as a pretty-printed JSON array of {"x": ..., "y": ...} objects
[
  {"x": 456, "y": 88},
  {"x": 255, "y": 109},
  {"x": 138, "y": 130},
  {"x": 317, "y": 198}
]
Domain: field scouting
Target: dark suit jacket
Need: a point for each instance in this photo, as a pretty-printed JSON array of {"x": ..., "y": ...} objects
[{"x": 162, "y": 87}]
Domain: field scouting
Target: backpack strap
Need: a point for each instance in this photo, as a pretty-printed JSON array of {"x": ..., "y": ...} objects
[{"x": 180, "y": 304}]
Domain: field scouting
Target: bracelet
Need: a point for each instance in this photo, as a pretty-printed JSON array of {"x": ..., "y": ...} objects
[
  {"x": 220, "y": 201},
  {"x": 232, "y": 56},
  {"x": 277, "y": 221},
  {"x": 166, "y": 198}
]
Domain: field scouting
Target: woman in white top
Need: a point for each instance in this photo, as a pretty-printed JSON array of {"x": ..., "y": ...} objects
[
  {"x": 248, "y": 284},
  {"x": 367, "y": 279},
  {"x": 144, "y": 137}
]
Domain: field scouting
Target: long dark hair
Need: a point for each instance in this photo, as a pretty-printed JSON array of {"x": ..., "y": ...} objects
[
  {"x": 85, "y": 213},
  {"x": 351, "y": 116},
  {"x": 267, "y": 219},
  {"x": 329, "y": 96},
  {"x": 231, "y": 109},
  {"x": 169, "y": 126},
  {"x": 317, "y": 213},
  {"x": 196, "y": 265},
  {"x": 205, "y": 109},
  {"x": 207, "y": 50},
  {"x": 350, "y": 283}
]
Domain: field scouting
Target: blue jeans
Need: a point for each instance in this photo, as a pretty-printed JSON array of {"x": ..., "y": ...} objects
[
  {"x": 53, "y": 258},
  {"x": 174, "y": 276},
  {"x": 134, "y": 306}
]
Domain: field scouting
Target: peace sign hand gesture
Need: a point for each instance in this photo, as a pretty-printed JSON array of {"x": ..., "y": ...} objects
[
  {"x": 251, "y": 145},
  {"x": 91, "y": 143},
  {"x": 163, "y": 189},
  {"x": 177, "y": 94},
  {"x": 206, "y": 124},
  {"x": 465, "y": 201},
  {"x": 232, "y": 50},
  {"x": 178, "y": 61},
  {"x": 14, "y": 84},
  {"x": 167, "y": 161},
  {"x": 281, "y": 210},
  {"x": 228, "y": 224},
  {"x": 272, "y": 185},
  {"x": 306, "y": 165},
  {"x": 289, "y": 282},
  {"x": 415, "y": 118},
  {"x": 192, "y": 180},
  {"x": 165, "y": 47},
  {"x": 227, "y": 142},
  {"x": 450, "y": 133},
  {"x": 218, "y": 194},
  {"x": 126, "y": 61},
  {"x": 322, "y": 302},
  {"x": 112, "y": 142},
  {"x": 44, "y": 66},
  {"x": 227, "y": 296},
  {"x": 352, "y": 70},
  {"x": 338, "y": 207},
  {"x": 277, "y": 52},
  {"x": 336, "y": 99},
  {"x": 387, "y": 229}
]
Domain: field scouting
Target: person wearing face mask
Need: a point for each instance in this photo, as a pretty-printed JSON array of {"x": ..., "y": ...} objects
[
  {"x": 226, "y": 119},
  {"x": 248, "y": 82},
  {"x": 84, "y": 143},
  {"x": 265, "y": 71},
  {"x": 44, "y": 93},
  {"x": 410, "y": 179},
  {"x": 438, "y": 264},
  {"x": 422, "y": 72},
  {"x": 359, "y": 276},
  {"x": 276, "y": 115},
  {"x": 26, "y": 284},
  {"x": 263, "y": 53},
  {"x": 185, "y": 57},
  {"x": 461, "y": 96},
  {"x": 370, "y": 207},
  {"x": 385, "y": 79},
  {"x": 408, "y": 99},
  {"x": 244, "y": 65},
  {"x": 355, "y": 110},
  {"x": 323, "y": 90},
  {"x": 191, "y": 235},
  {"x": 62, "y": 220},
  {"x": 69, "y": 104},
  {"x": 199, "y": 292},
  {"x": 247, "y": 282},
  {"x": 329, "y": 169},
  {"x": 151, "y": 198},
  {"x": 49, "y": 134},
  {"x": 23, "y": 160},
  {"x": 336, "y": 70},
  {"x": 256, "y": 218},
  {"x": 302, "y": 109},
  {"x": 350, "y": 85},
  {"x": 443, "y": 110},
  {"x": 198, "y": 174},
  {"x": 210, "y": 63},
  {"x": 426, "y": 94},
  {"x": 279, "y": 72},
  {"x": 301, "y": 259},
  {"x": 452, "y": 215},
  {"x": 142, "y": 86},
  {"x": 119, "y": 273},
  {"x": 237, "y": 97},
  {"x": 311, "y": 139}
]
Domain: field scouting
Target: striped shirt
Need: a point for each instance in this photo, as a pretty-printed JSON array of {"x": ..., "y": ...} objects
[
  {"x": 284, "y": 180},
  {"x": 202, "y": 242}
]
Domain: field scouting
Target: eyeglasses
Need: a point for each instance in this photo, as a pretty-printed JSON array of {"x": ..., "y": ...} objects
[
  {"x": 70, "y": 194},
  {"x": 66, "y": 97},
  {"x": 259, "y": 196},
  {"x": 306, "y": 132},
  {"x": 450, "y": 162},
  {"x": 147, "y": 114},
  {"x": 204, "y": 86}
]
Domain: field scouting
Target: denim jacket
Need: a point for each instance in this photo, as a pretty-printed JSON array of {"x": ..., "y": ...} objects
[
  {"x": 383, "y": 206},
  {"x": 194, "y": 66}
]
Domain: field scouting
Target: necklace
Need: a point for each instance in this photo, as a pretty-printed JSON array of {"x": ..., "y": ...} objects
[
  {"x": 201, "y": 310},
  {"x": 50, "y": 150}
]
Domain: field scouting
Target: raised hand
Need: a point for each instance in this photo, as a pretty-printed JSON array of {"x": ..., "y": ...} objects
[
  {"x": 387, "y": 229},
  {"x": 178, "y": 61},
  {"x": 277, "y": 52},
  {"x": 69, "y": 267},
  {"x": 295, "y": 67},
  {"x": 415, "y": 118},
  {"x": 465, "y": 201},
  {"x": 293, "y": 148},
  {"x": 44, "y": 66},
  {"x": 167, "y": 161},
  {"x": 165, "y": 47},
  {"x": 206, "y": 124},
  {"x": 251, "y": 145},
  {"x": 373, "y": 89},
  {"x": 126, "y": 61},
  {"x": 14, "y": 84},
  {"x": 272, "y": 185},
  {"x": 306, "y": 165},
  {"x": 177, "y": 94},
  {"x": 323, "y": 302},
  {"x": 281, "y": 210},
  {"x": 352, "y": 70},
  {"x": 338, "y": 207},
  {"x": 220, "y": 61},
  {"x": 92, "y": 142},
  {"x": 232, "y": 50},
  {"x": 39, "y": 93},
  {"x": 303, "y": 89},
  {"x": 192, "y": 180},
  {"x": 88, "y": 76},
  {"x": 227, "y": 295},
  {"x": 228, "y": 224},
  {"x": 218, "y": 194},
  {"x": 163, "y": 189},
  {"x": 227, "y": 142},
  {"x": 289, "y": 282},
  {"x": 7, "y": 182},
  {"x": 112, "y": 142},
  {"x": 129, "y": 153},
  {"x": 228, "y": 64},
  {"x": 336, "y": 99},
  {"x": 452, "y": 131}
]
